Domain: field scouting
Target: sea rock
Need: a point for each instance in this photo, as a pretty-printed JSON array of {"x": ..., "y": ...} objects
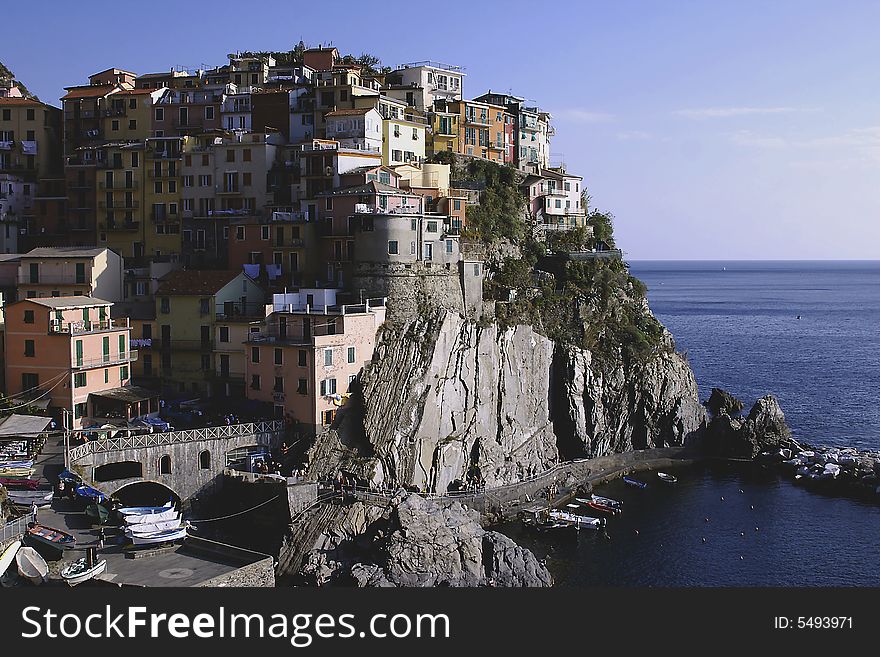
[
  {"x": 424, "y": 543},
  {"x": 721, "y": 401},
  {"x": 762, "y": 429}
]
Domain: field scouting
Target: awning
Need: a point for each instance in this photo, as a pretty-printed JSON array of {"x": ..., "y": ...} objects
[
  {"x": 23, "y": 425},
  {"x": 126, "y": 394}
]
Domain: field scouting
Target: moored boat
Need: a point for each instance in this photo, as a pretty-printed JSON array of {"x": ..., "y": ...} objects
[
  {"x": 635, "y": 483},
  {"x": 169, "y": 514},
  {"x": 23, "y": 483},
  {"x": 153, "y": 538},
  {"x": 52, "y": 537},
  {"x": 144, "y": 510},
  {"x": 602, "y": 508},
  {"x": 8, "y": 556},
  {"x": 90, "y": 493},
  {"x": 579, "y": 521},
  {"x": 80, "y": 570},
  {"x": 29, "y": 497},
  {"x": 152, "y": 527},
  {"x": 31, "y": 565},
  {"x": 667, "y": 478},
  {"x": 607, "y": 501}
]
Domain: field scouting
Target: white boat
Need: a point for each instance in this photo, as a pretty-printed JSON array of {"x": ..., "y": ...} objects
[
  {"x": 8, "y": 556},
  {"x": 668, "y": 478},
  {"x": 79, "y": 571},
  {"x": 159, "y": 537},
  {"x": 581, "y": 522},
  {"x": 152, "y": 527},
  {"x": 31, "y": 565},
  {"x": 170, "y": 514},
  {"x": 607, "y": 501},
  {"x": 29, "y": 497},
  {"x": 145, "y": 510}
]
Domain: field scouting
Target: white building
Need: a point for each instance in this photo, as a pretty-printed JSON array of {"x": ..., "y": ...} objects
[
  {"x": 355, "y": 128},
  {"x": 430, "y": 81}
]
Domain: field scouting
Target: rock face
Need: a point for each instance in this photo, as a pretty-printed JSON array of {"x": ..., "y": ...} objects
[
  {"x": 418, "y": 542},
  {"x": 448, "y": 400},
  {"x": 764, "y": 427},
  {"x": 721, "y": 401}
]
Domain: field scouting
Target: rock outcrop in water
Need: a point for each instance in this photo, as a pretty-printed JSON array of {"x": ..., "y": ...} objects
[
  {"x": 418, "y": 542},
  {"x": 763, "y": 428},
  {"x": 721, "y": 401}
]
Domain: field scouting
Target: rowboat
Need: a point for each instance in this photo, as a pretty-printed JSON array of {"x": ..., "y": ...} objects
[
  {"x": 6, "y": 465},
  {"x": 169, "y": 514},
  {"x": 580, "y": 522},
  {"x": 144, "y": 510},
  {"x": 152, "y": 527},
  {"x": 668, "y": 478},
  {"x": 29, "y": 497},
  {"x": 10, "y": 483},
  {"x": 8, "y": 556},
  {"x": 52, "y": 537},
  {"x": 602, "y": 508},
  {"x": 166, "y": 536},
  {"x": 31, "y": 565},
  {"x": 607, "y": 501},
  {"x": 629, "y": 481},
  {"x": 80, "y": 570}
]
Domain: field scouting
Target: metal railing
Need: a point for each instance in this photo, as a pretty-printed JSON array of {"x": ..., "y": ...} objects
[
  {"x": 77, "y": 328},
  {"x": 13, "y": 530},
  {"x": 106, "y": 359},
  {"x": 264, "y": 433}
]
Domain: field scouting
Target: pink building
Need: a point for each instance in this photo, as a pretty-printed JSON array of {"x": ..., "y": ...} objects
[
  {"x": 68, "y": 351},
  {"x": 308, "y": 354}
]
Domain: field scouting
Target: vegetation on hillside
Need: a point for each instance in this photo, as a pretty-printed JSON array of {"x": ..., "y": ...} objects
[
  {"x": 370, "y": 64},
  {"x": 5, "y": 73}
]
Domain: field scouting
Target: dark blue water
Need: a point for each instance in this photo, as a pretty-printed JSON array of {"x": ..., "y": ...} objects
[{"x": 738, "y": 323}]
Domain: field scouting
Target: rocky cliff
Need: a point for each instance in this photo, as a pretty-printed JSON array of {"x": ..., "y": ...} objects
[{"x": 448, "y": 401}]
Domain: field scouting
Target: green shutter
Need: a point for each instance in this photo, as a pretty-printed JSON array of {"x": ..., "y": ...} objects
[
  {"x": 79, "y": 353},
  {"x": 106, "y": 344},
  {"x": 121, "y": 345}
]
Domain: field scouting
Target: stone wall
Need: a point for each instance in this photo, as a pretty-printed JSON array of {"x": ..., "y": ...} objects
[{"x": 411, "y": 288}]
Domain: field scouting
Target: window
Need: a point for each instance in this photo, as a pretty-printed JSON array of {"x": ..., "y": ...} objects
[
  {"x": 255, "y": 354},
  {"x": 209, "y": 112},
  {"x": 224, "y": 334},
  {"x": 165, "y": 465},
  {"x": 28, "y": 316},
  {"x": 264, "y": 232},
  {"x": 412, "y": 248},
  {"x": 157, "y": 186},
  {"x": 279, "y": 356},
  {"x": 327, "y": 416},
  {"x": 203, "y": 306},
  {"x": 302, "y": 386},
  {"x": 239, "y": 232},
  {"x": 351, "y": 378},
  {"x": 392, "y": 247},
  {"x": 30, "y": 114},
  {"x": 246, "y": 154},
  {"x": 230, "y": 155},
  {"x": 7, "y": 115},
  {"x": 29, "y": 381},
  {"x": 81, "y": 410},
  {"x": 246, "y": 179},
  {"x": 351, "y": 354},
  {"x": 205, "y": 455},
  {"x": 457, "y": 204},
  {"x": 123, "y": 373},
  {"x": 205, "y": 180},
  {"x": 476, "y": 269},
  {"x": 29, "y": 348},
  {"x": 165, "y": 305},
  {"x": 448, "y": 246},
  {"x": 255, "y": 382},
  {"x": 132, "y": 124},
  {"x": 114, "y": 125},
  {"x": 279, "y": 384},
  {"x": 106, "y": 376},
  {"x": 303, "y": 358},
  {"x": 432, "y": 226},
  {"x": 328, "y": 357},
  {"x": 160, "y": 113},
  {"x": 328, "y": 387},
  {"x": 328, "y": 203},
  {"x": 206, "y": 362},
  {"x": 79, "y": 380}
]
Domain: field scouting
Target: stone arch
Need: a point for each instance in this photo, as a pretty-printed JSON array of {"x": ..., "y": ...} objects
[
  {"x": 146, "y": 493},
  {"x": 116, "y": 470}
]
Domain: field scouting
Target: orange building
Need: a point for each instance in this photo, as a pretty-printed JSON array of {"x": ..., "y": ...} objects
[{"x": 68, "y": 350}]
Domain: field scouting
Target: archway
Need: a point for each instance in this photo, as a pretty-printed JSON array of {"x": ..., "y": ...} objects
[
  {"x": 145, "y": 493},
  {"x": 119, "y": 470}
]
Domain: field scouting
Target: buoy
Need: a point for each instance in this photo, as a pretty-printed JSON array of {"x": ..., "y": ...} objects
[
  {"x": 707, "y": 520},
  {"x": 722, "y": 498},
  {"x": 756, "y": 529},
  {"x": 741, "y": 557},
  {"x": 740, "y": 490},
  {"x": 752, "y": 507},
  {"x": 742, "y": 533},
  {"x": 637, "y": 531},
  {"x": 704, "y": 539}
]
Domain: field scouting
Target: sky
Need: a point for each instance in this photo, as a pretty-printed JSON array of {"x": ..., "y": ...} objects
[{"x": 711, "y": 130}]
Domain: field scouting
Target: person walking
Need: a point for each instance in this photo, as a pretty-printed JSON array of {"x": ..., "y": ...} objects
[{"x": 34, "y": 513}]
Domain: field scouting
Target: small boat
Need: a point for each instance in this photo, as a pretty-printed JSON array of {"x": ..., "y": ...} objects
[
  {"x": 80, "y": 570},
  {"x": 603, "y": 508},
  {"x": 31, "y": 565},
  {"x": 90, "y": 493},
  {"x": 579, "y": 522},
  {"x": 635, "y": 483},
  {"x": 167, "y": 536},
  {"x": 607, "y": 501},
  {"x": 144, "y": 510},
  {"x": 668, "y": 478},
  {"x": 52, "y": 537},
  {"x": 11, "y": 484},
  {"x": 30, "y": 497},
  {"x": 152, "y": 527},
  {"x": 8, "y": 556},
  {"x": 169, "y": 514}
]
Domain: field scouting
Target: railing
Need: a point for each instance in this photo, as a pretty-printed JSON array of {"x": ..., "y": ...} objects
[
  {"x": 120, "y": 205},
  {"x": 122, "y": 225},
  {"x": 182, "y": 345},
  {"x": 119, "y": 184},
  {"x": 13, "y": 530},
  {"x": 57, "y": 279},
  {"x": 265, "y": 433},
  {"x": 77, "y": 328},
  {"x": 106, "y": 359}
]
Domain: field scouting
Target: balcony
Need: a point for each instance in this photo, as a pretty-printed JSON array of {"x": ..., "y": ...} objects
[
  {"x": 116, "y": 111},
  {"x": 124, "y": 204},
  {"x": 121, "y": 185},
  {"x": 120, "y": 225},
  {"x": 24, "y": 278},
  {"x": 108, "y": 164},
  {"x": 182, "y": 345},
  {"x": 227, "y": 191},
  {"x": 105, "y": 360},
  {"x": 83, "y": 327},
  {"x": 171, "y": 173},
  {"x": 479, "y": 120}
]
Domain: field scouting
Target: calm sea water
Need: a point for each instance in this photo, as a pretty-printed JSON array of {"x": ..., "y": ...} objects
[{"x": 738, "y": 323}]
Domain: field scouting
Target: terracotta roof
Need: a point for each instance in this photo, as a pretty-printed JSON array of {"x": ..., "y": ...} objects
[
  {"x": 62, "y": 303},
  {"x": 88, "y": 91},
  {"x": 194, "y": 282},
  {"x": 349, "y": 112},
  {"x": 20, "y": 101}
]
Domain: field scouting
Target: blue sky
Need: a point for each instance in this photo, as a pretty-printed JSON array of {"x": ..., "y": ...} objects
[{"x": 710, "y": 129}]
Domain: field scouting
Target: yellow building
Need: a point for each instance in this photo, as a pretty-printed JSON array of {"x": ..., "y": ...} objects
[
  {"x": 119, "y": 197},
  {"x": 162, "y": 197},
  {"x": 30, "y": 138},
  {"x": 403, "y": 141},
  {"x": 127, "y": 115},
  {"x": 443, "y": 135}
]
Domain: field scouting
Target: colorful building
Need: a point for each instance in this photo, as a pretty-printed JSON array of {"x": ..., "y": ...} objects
[
  {"x": 359, "y": 129},
  {"x": 403, "y": 141},
  {"x": 429, "y": 82},
  {"x": 70, "y": 271}
]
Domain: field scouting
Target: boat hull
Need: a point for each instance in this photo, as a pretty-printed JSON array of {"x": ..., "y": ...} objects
[
  {"x": 27, "y": 498},
  {"x": 8, "y": 556},
  {"x": 52, "y": 537},
  {"x": 170, "y": 514},
  {"x": 31, "y": 565},
  {"x": 159, "y": 537},
  {"x": 82, "y": 576},
  {"x": 152, "y": 527},
  {"x": 635, "y": 483}
]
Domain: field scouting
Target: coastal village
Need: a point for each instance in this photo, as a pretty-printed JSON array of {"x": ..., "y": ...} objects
[{"x": 209, "y": 276}]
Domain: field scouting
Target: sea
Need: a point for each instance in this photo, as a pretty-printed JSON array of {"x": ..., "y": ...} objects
[{"x": 806, "y": 332}]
